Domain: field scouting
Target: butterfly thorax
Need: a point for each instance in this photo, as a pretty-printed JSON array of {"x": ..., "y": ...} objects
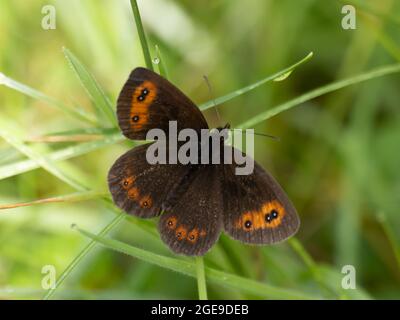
[{"x": 212, "y": 146}]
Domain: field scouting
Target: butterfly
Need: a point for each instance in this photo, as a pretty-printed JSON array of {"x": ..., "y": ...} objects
[{"x": 195, "y": 202}]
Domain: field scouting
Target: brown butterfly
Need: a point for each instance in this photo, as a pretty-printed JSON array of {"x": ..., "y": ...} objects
[{"x": 196, "y": 201}]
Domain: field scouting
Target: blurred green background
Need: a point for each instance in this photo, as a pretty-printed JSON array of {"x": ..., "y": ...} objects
[{"x": 338, "y": 157}]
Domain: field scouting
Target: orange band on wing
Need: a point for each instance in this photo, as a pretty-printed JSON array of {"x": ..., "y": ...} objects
[
  {"x": 193, "y": 235},
  {"x": 142, "y": 98},
  {"x": 146, "y": 202},
  {"x": 134, "y": 193},
  {"x": 128, "y": 182},
  {"x": 171, "y": 223},
  {"x": 181, "y": 233},
  {"x": 269, "y": 216}
]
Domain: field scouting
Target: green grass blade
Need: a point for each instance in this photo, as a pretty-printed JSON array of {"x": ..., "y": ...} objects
[
  {"x": 76, "y": 150},
  {"x": 312, "y": 266},
  {"x": 235, "y": 257},
  {"x": 201, "y": 278},
  {"x": 12, "y": 136},
  {"x": 188, "y": 267},
  {"x": 378, "y": 72},
  {"x": 102, "y": 104},
  {"x": 35, "y": 94},
  {"x": 94, "y": 130},
  {"x": 73, "y": 197},
  {"x": 64, "y": 138},
  {"x": 142, "y": 35},
  {"x": 281, "y": 75},
  {"x": 114, "y": 222},
  {"x": 387, "y": 228}
]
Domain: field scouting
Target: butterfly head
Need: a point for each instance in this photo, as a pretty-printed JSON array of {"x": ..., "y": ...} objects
[{"x": 221, "y": 132}]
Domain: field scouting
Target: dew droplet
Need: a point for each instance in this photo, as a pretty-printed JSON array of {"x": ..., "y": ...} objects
[{"x": 156, "y": 60}]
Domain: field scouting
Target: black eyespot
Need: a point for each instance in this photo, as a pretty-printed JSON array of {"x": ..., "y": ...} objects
[
  {"x": 179, "y": 234},
  {"x": 170, "y": 223},
  {"x": 247, "y": 224},
  {"x": 145, "y": 204},
  {"x": 274, "y": 214},
  {"x": 140, "y": 98},
  {"x": 135, "y": 118},
  {"x": 145, "y": 92},
  {"x": 191, "y": 237},
  {"x": 268, "y": 218},
  {"x": 126, "y": 183}
]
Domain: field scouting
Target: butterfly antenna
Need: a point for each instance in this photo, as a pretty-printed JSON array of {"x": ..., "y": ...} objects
[
  {"x": 261, "y": 134},
  {"x": 212, "y": 98}
]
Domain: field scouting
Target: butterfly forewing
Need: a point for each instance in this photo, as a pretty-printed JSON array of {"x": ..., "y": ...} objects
[{"x": 149, "y": 101}]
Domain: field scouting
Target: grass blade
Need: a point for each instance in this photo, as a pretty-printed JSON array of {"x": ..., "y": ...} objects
[
  {"x": 19, "y": 167},
  {"x": 102, "y": 104},
  {"x": 142, "y": 35},
  {"x": 114, "y": 222},
  {"x": 35, "y": 94},
  {"x": 201, "y": 278},
  {"x": 378, "y": 72},
  {"x": 161, "y": 63},
  {"x": 93, "y": 130},
  {"x": 312, "y": 266},
  {"x": 281, "y": 75},
  {"x": 387, "y": 228},
  {"x": 73, "y": 197},
  {"x": 12, "y": 136},
  {"x": 65, "y": 138},
  {"x": 188, "y": 267}
]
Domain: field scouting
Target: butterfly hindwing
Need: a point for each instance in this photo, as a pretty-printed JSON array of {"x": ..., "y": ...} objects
[
  {"x": 149, "y": 101},
  {"x": 256, "y": 209},
  {"x": 140, "y": 188},
  {"x": 193, "y": 223}
]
